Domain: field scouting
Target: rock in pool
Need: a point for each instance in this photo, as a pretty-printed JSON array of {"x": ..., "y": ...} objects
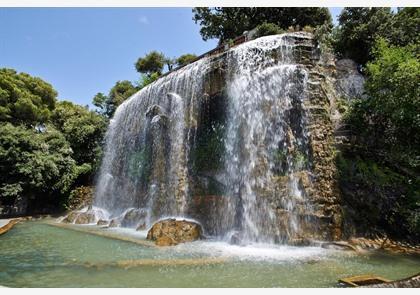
[
  {"x": 102, "y": 222},
  {"x": 78, "y": 217},
  {"x": 170, "y": 232}
]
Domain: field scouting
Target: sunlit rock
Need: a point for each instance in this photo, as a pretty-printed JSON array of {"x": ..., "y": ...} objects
[{"x": 171, "y": 231}]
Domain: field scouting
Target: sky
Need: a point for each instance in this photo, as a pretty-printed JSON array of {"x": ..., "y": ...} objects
[{"x": 83, "y": 51}]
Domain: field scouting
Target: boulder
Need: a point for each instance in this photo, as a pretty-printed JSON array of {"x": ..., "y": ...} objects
[
  {"x": 141, "y": 226},
  {"x": 85, "y": 218},
  {"x": 349, "y": 82},
  {"x": 339, "y": 245},
  {"x": 114, "y": 223},
  {"x": 71, "y": 217},
  {"x": 102, "y": 222},
  {"x": 134, "y": 217},
  {"x": 179, "y": 231},
  {"x": 165, "y": 241},
  {"x": 235, "y": 238}
]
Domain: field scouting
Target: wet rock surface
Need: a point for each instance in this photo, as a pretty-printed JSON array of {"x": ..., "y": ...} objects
[
  {"x": 384, "y": 244},
  {"x": 134, "y": 218},
  {"x": 102, "y": 222},
  {"x": 78, "y": 217},
  {"x": 349, "y": 82},
  {"x": 170, "y": 232}
]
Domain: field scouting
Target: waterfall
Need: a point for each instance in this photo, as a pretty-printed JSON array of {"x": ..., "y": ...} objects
[
  {"x": 151, "y": 164},
  {"x": 265, "y": 132},
  {"x": 146, "y": 149}
]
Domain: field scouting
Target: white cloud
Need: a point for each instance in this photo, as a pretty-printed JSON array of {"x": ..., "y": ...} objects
[{"x": 143, "y": 20}]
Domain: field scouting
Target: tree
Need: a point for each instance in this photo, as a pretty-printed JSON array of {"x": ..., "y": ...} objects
[
  {"x": 146, "y": 80},
  {"x": 229, "y": 22},
  {"x": 405, "y": 27},
  {"x": 83, "y": 129},
  {"x": 389, "y": 119},
  {"x": 153, "y": 62},
  {"x": 117, "y": 95},
  {"x": 170, "y": 63},
  {"x": 25, "y": 99},
  {"x": 185, "y": 59},
  {"x": 358, "y": 29},
  {"x": 36, "y": 165},
  {"x": 266, "y": 29}
]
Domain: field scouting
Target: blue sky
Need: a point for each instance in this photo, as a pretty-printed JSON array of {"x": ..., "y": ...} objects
[{"x": 82, "y": 51}]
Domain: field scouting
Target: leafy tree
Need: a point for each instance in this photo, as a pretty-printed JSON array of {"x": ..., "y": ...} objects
[
  {"x": 117, "y": 95},
  {"x": 83, "y": 129},
  {"x": 405, "y": 27},
  {"x": 35, "y": 164},
  {"x": 170, "y": 63},
  {"x": 266, "y": 29},
  {"x": 359, "y": 27},
  {"x": 146, "y": 80},
  {"x": 185, "y": 59},
  {"x": 153, "y": 62},
  {"x": 25, "y": 99},
  {"x": 389, "y": 119},
  {"x": 229, "y": 22}
]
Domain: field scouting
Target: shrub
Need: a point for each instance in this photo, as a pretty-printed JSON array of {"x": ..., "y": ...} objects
[{"x": 266, "y": 29}]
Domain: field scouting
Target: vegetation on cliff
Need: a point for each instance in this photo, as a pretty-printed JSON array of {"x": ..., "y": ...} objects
[{"x": 379, "y": 171}]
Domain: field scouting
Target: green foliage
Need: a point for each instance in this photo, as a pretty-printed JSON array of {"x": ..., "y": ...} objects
[
  {"x": 185, "y": 59},
  {"x": 230, "y": 22},
  {"x": 359, "y": 27},
  {"x": 35, "y": 164},
  {"x": 83, "y": 129},
  {"x": 405, "y": 27},
  {"x": 146, "y": 80},
  {"x": 107, "y": 104},
  {"x": 389, "y": 119},
  {"x": 378, "y": 198},
  {"x": 46, "y": 148},
  {"x": 324, "y": 37},
  {"x": 25, "y": 99},
  {"x": 153, "y": 62},
  {"x": 266, "y": 29},
  {"x": 342, "y": 106}
]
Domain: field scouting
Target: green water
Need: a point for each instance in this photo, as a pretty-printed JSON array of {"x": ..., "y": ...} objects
[{"x": 34, "y": 254}]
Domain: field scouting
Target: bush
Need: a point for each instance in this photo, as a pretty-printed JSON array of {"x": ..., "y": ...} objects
[
  {"x": 377, "y": 198},
  {"x": 266, "y": 29},
  {"x": 36, "y": 165},
  {"x": 146, "y": 80},
  {"x": 185, "y": 59},
  {"x": 388, "y": 119}
]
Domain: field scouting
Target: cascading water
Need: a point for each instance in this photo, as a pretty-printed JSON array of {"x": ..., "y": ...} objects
[
  {"x": 265, "y": 130},
  {"x": 146, "y": 151},
  {"x": 150, "y": 160}
]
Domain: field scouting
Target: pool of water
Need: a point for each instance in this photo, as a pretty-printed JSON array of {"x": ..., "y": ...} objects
[{"x": 36, "y": 254}]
